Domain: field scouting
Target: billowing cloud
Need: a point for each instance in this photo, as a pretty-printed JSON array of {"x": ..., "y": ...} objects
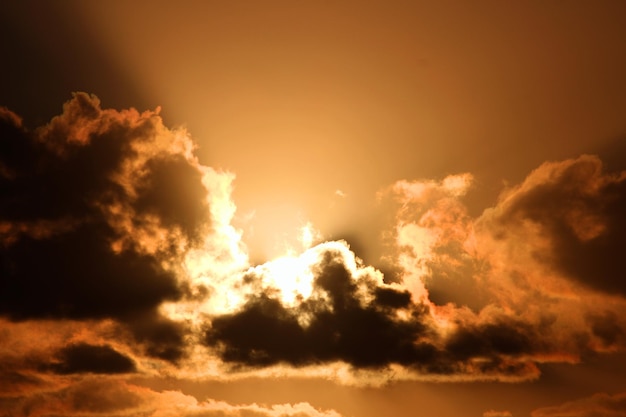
[
  {"x": 349, "y": 316},
  {"x": 118, "y": 255},
  {"x": 572, "y": 211},
  {"x": 479, "y": 298},
  {"x": 520, "y": 257},
  {"x": 99, "y": 209}
]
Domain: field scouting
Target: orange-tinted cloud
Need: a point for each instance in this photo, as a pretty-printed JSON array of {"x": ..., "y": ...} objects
[
  {"x": 101, "y": 210},
  {"x": 544, "y": 262},
  {"x": 116, "y": 398},
  {"x": 111, "y": 224},
  {"x": 493, "y": 413},
  {"x": 598, "y": 405}
]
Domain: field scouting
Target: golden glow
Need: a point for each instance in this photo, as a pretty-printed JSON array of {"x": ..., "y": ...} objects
[
  {"x": 317, "y": 106},
  {"x": 308, "y": 235},
  {"x": 291, "y": 276}
]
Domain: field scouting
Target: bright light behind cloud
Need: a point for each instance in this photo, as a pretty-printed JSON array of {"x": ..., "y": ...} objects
[
  {"x": 291, "y": 276},
  {"x": 153, "y": 278}
]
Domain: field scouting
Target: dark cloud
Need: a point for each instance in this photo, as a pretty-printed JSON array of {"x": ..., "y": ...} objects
[
  {"x": 607, "y": 328},
  {"x": 171, "y": 192},
  {"x": 77, "y": 275},
  {"x": 75, "y": 164},
  {"x": 340, "y": 329},
  {"x": 263, "y": 333},
  {"x": 474, "y": 317},
  {"x": 95, "y": 205},
  {"x": 96, "y": 359},
  {"x": 367, "y": 325},
  {"x": 161, "y": 337},
  {"x": 105, "y": 215},
  {"x": 580, "y": 209},
  {"x": 388, "y": 297},
  {"x": 491, "y": 340}
]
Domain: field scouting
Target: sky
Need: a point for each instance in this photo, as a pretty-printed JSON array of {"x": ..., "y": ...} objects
[{"x": 312, "y": 208}]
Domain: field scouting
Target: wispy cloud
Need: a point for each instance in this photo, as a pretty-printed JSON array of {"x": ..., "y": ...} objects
[{"x": 601, "y": 404}]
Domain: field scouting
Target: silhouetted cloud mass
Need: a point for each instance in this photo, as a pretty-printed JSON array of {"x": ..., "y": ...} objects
[
  {"x": 580, "y": 209},
  {"x": 85, "y": 358},
  {"x": 84, "y": 200},
  {"x": 336, "y": 325},
  {"x": 118, "y": 255}
]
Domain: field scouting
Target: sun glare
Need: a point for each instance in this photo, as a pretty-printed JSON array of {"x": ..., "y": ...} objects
[
  {"x": 308, "y": 235},
  {"x": 291, "y": 276}
]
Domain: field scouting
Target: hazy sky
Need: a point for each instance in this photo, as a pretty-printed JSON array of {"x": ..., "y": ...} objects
[{"x": 312, "y": 208}]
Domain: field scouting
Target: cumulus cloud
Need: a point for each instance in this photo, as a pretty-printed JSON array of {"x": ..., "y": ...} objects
[
  {"x": 480, "y": 298},
  {"x": 99, "y": 209},
  {"x": 118, "y": 254},
  {"x": 350, "y": 316},
  {"x": 546, "y": 253},
  {"x": 577, "y": 210}
]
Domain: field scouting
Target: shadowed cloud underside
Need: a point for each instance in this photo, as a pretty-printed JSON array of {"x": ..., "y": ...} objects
[{"x": 118, "y": 251}]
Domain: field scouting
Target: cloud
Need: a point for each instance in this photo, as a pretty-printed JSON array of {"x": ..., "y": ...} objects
[
  {"x": 115, "y": 397},
  {"x": 97, "y": 359},
  {"x": 117, "y": 249},
  {"x": 494, "y": 413},
  {"x": 100, "y": 208},
  {"x": 431, "y": 234},
  {"x": 577, "y": 210},
  {"x": 351, "y": 316},
  {"x": 557, "y": 233},
  {"x": 480, "y": 298},
  {"x": 107, "y": 215},
  {"x": 598, "y": 405}
]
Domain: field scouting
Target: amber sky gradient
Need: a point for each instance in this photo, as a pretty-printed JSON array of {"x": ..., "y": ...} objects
[{"x": 472, "y": 155}]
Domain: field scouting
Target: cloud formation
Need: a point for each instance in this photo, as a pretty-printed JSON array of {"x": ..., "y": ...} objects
[
  {"x": 490, "y": 297},
  {"x": 350, "y": 316},
  {"x": 118, "y": 254},
  {"x": 95, "y": 204},
  {"x": 99, "y": 209},
  {"x": 116, "y": 397}
]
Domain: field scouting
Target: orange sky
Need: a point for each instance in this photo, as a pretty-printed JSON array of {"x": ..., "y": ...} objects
[
  {"x": 470, "y": 154},
  {"x": 300, "y": 100}
]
